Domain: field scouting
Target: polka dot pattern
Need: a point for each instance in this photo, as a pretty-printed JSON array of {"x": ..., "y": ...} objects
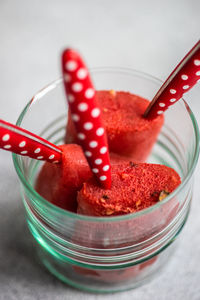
[
  {"x": 172, "y": 91},
  {"x": 67, "y": 78},
  {"x": 159, "y": 112},
  {"x": 86, "y": 116},
  {"x": 81, "y": 136},
  {"x": 23, "y": 142},
  {"x": 6, "y": 137},
  {"x": 24, "y": 152},
  {"x": 93, "y": 144},
  {"x": 37, "y": 150},
  {"x": 197, "y": 62},
  {"x": 181, "y": 80},
  {"x": 71, "y": 65},
  {"x": 106, "y": 167},
  {"x": 100, "y": 131},
  {"x": 88, "y": 153},
  {"x": 77, "y": 87},
  {"x": 103, "y": 150},
  {"x": 184, "y": 77},
  {"x": 88, "y": 125},
  {"x": 81, "y": 73},
  {"x": 89, "y": 93},
  {"x": 95, "y": 112},
  {"x": 82, "y": 106},
  {"x": 70, "y": 98},
  {"x": 98, "y": 161},
  {"x": 103, "y": 177},
  {"x": 75, "y": 117}
]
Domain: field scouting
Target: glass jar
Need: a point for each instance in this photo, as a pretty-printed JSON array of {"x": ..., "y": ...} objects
[{"x": 108, "y": 254}]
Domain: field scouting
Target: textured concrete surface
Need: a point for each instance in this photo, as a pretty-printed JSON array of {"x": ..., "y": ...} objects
[{"x": 151, "y": 36}]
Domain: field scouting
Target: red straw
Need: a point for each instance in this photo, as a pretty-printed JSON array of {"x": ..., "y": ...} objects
[
  {"x": 180, "y": 81},
  {"x": 86, "y": 115},
  {"x": 23, "y": 142}
]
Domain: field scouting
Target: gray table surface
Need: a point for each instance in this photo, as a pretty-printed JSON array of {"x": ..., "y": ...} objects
[{"x": 151, "y": 36}]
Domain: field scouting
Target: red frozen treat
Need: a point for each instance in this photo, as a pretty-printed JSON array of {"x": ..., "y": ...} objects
[
  {"x": 118, "y": 275},
  {"x": 59, "y": 183},
  {"x": 134, "y": 187},
  {"x": 128, "y": 132}
]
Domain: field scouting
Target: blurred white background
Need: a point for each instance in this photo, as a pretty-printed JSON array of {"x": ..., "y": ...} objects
[{"x": 151, "y": 36}]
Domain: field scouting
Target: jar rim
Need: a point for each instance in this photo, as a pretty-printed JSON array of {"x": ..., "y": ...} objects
[{"x": 145, "y": 211}]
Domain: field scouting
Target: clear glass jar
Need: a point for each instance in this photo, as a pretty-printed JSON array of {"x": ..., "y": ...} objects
[{"x": 108, "y": 254}]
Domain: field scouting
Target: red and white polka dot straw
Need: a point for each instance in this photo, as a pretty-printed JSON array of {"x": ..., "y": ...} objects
[
  {"x": 86, "y": 115},
  {"x": 180, "y": 81},
  {"x": 23, "y": 142}
]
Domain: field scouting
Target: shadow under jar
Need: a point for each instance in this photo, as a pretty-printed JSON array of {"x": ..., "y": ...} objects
[{"x": 107, "y": 254}]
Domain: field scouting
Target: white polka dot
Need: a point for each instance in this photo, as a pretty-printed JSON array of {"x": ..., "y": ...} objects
[
  {"x": 81, "y": 73},
  {"x": 6, "y": 137},
  {"x": 95, "y": 112},
  {"x": 95, "y": 170},
  {"x": 55, "y": 161},
  {"x": 184, "y": 77},
  {"x": 22, "y": 144},
  {"x": 7, "y": 146},
  {"x": 98, "y": 161},
  {"x": 185, "y": 87},
  {"x": 24, "y": 152},
  {"x": 81, "y": 136},
  {"x": 198, "y": 80},
  {"x": 162, "y": 104},
  {"x": 172, "y": 100},
  {"x": 172, "y": 91},
  {"x": 106, "y": 167},
  {"x": 103, "y": 150},
  {"x": 82, "y": 106},
  {"x": 75, "y": 117},
  {"x": 159, "y": 112},
  {"x": 67, "y": 78},
  {"x": 88, "y": 153},
  {"x": 93, "y": 144},
  {"x": 89, "y": 93},
  {"x": 70, "y": 98},
  {"x": 77, "y": 87},
  {"x": 197, "y": 62},
  {"x": 198, "y": 73},
  {"x": 88, "y": 125},
  {"x": 51, "y": 156},
  {"x": 37, "y": 150},
  {"x": 103, "y": 178},
  {"x": 39, "y": 157},
  {"x": 100, "y": 131},
  {"x": 71, "y": 65}
]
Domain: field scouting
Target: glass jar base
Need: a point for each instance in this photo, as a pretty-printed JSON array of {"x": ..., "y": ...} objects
[{"x": 105, "y": 281}]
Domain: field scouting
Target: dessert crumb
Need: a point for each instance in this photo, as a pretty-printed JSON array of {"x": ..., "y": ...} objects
[
  {"x": 132, "y": 164},
  {"x": 112, "y": 92},
  {"x": 163, "y": 195}
]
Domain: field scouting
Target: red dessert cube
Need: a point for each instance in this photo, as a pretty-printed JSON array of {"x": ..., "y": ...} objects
[
  {"x": 59, "y": 183},
  {"x": 129, "y": 134},
  {"x": 134, "y": 187}
]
